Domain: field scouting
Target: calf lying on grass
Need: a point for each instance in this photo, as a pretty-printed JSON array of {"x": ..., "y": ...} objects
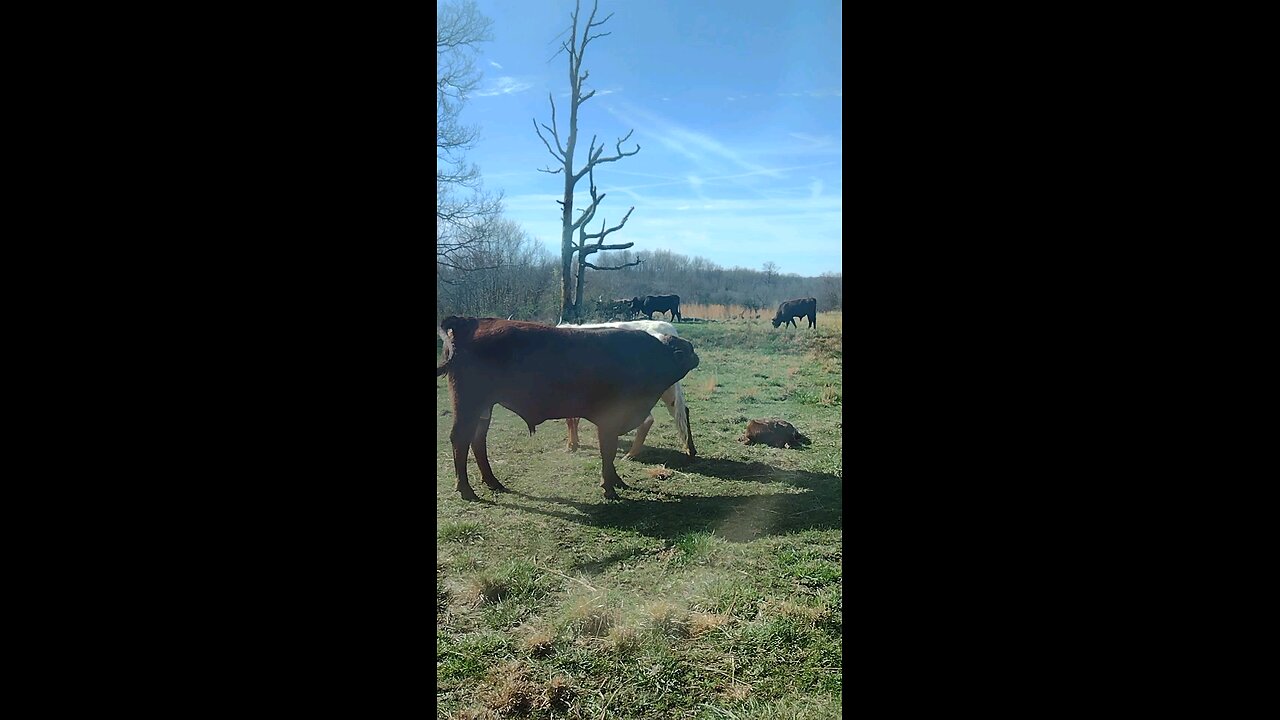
[
  {"x": 611, "y": 377},
  {"x": 672, "y": 397}
]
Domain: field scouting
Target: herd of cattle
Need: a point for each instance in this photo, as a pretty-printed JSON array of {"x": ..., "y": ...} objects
[
  {"x": 650, "y": 304},
  {"x": 609, "y": 373}
]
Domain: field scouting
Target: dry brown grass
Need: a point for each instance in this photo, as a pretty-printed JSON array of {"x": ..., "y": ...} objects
[
  {"x": 510, "y": 691},
  {"x": 667, "y": 618},
  {"x": 719, "y": 312},
  {"x": 828, "y": 396},
  {"x": 710, "y": 385},
  {"x": 483, "y": 589},
  {"x": 539, "y": 643},
  {"x": 701, "y": 622},
  {"x": 623, "y": 639},
  {"x": 591, "y": 617}
]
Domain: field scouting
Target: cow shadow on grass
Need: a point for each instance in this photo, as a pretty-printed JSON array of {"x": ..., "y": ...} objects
[{"x": 812, "y": 502}]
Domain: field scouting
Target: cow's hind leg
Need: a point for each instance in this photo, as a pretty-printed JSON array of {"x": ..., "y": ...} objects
[
  {"x": 478, "y": 444},
  {"x": 609, "y": 474},
  {"x": 464, "y": 428},
  {"x": 813, "y": 320},
  {"x": 641, "y": 433},
  {"x": 573, "y": 433}
]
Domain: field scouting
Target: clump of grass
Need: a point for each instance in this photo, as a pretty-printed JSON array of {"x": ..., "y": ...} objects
[
  {"x": 512, "y": 694},
  {"x": 591, "y": 616},
  {"x": 442, "y": 597},
  {"x": 463, "y": 532},
  {"x": 829, "y": 396},
  {"x": 623, "y": 639},
  {"x": 749, "y": 396},
  {"x": 558, "y": 694},
  {"x": 701, "y": 623},
  {"x": 515, "y": 580},
  {"x": 809, "y": 616},
  {"x": 540, "y": 643},
  {"x": 668, "y": 619},
  {"x": 487, "y": 588},
  {"x": 710, "y": 385},
  {"x": 694, "y": 546}
]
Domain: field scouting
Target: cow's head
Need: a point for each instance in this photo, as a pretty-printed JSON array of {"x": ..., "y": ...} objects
[
  {"x": 637, "y": 304},
  {"x": 463, "y": 328},
  {"x": 777, "y": 320},
  {"x": 682, "y": 351}
]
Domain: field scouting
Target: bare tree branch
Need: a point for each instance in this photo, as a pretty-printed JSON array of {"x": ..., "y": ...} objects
[
  {"x": 604, "y": 232},
  {"x": 627, "y": 265}
]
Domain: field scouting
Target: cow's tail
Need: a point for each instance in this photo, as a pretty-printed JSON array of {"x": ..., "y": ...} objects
[
  {"x": 448, "y": 351},
  {"x": 680, "y": 413}
]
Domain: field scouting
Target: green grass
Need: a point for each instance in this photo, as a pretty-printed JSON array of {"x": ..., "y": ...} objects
[{"x": 714, "y": 592}]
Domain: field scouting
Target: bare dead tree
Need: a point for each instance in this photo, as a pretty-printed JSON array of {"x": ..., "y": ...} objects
[
  {"x": 464, "y": 212},
  {"x": 585, "y": 250},
  {"x": 575, "y": 47}
]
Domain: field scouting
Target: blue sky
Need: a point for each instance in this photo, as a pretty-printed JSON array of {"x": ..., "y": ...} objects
[{"x": 736, "y": 107}]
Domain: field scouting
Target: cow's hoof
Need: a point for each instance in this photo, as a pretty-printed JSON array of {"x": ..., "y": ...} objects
[
  {"x": 629, "y": 456},
  {"x": 469, "y": 494},
  {"x": 609, "y": 494},
  {"x": 497, "y": 486}
]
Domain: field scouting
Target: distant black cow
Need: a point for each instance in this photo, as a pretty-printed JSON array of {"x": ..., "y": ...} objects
[
  {"x": 650, "y": 304},
  {"x": 798, "y": 308}
]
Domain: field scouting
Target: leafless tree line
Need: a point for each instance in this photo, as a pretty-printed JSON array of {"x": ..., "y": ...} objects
[
  {"x": 518, "y": 276},
  {"x": 465, "y": 213}
]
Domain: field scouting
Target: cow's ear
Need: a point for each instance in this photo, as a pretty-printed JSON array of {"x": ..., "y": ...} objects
[{"x": 461, "y": 327}]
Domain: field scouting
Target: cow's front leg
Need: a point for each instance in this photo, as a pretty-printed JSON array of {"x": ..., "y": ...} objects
[
  {"x": 641, "y": 433},
  {"x": 479, "y": 445},
  {"x": 609, "y": 474},
  {"x": 464, "y": 428}
]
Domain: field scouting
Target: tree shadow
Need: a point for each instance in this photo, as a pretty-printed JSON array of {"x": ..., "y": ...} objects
[{"x": 647, "y": 509}]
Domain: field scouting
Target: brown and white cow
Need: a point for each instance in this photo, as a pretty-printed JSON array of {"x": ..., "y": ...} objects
[
  {"x": 672, "y": 397},
  {"x": 610, "y": 377}
]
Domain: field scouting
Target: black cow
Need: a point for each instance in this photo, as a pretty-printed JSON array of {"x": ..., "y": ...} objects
[
  {"x": 650, "y": 304},
  {"x": 798, "y": 308}
]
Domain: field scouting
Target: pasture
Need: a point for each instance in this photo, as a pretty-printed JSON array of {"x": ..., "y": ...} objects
[{"x": 711, "y": 589}]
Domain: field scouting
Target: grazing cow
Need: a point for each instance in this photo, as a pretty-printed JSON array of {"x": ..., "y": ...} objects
[
  {"x": 672, "y": 397},
  {"x": 611, "y": 377},
  {"x": 650, "y": 304},
  {"x": 798, "y": 308}
]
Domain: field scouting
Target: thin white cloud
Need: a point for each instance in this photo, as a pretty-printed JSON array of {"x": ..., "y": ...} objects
[
  {"x": 815, "y": 188},
  {"x": 495, "y": 64},
  {"x": 505, "y": 85},
  {"x": 705, "y": 151}
]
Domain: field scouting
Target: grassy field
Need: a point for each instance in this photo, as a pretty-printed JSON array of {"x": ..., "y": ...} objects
[{"x": 712, "y": 589}]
